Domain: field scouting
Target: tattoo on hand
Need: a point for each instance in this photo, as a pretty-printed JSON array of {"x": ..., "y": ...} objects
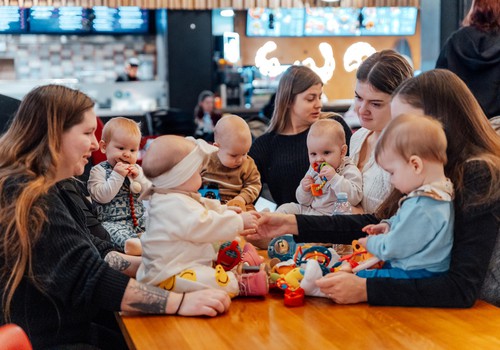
[
  {"x": 154, "y": 300},
  {"x": 116, "y": 261}
]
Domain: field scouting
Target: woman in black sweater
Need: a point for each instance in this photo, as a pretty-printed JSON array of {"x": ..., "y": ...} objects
[
  {"x": 474, "y": 168},
  {"x": 54, "y": 278},
  {"x": 281, "y": 153}
]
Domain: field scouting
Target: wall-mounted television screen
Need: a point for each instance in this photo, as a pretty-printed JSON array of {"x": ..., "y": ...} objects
[
  {"x": 331, "y": 21},
  {"x": 59, "y": 20},
  {"x": 388, "y": 20},
  {"x": 121, "y": 20},
  {"x": 13, "y": 20},
  {"x": 275, "y": 22}
]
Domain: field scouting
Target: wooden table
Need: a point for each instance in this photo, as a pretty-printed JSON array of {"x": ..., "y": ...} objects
[{"x": 254, "y": 323}]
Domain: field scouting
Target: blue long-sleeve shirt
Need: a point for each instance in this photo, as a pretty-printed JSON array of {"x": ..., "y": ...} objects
[{"x": 420, "y": 237}]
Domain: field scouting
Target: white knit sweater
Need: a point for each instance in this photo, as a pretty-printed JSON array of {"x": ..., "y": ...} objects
[{"x": 376, "y": 181}]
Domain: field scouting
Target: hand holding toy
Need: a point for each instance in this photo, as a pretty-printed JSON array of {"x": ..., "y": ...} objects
[{"x": 316, "y": 189}]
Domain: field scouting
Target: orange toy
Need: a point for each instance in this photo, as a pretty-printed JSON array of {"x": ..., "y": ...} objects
[
  {"x": 360, "y": 259},
  {"x": 316, "y": 189}
]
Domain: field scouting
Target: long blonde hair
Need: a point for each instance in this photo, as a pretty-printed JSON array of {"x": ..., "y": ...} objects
[{"x": 28, "y": 168}]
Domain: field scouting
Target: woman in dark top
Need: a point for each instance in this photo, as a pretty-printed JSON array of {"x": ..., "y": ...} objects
[
  {"x": 474, "y": 168},
  {"x": 205, "y": 116},
  {"x": 281, "y": 153},
  {"x": 473, "y": 53},
  {"x": 54, "y": 278}
]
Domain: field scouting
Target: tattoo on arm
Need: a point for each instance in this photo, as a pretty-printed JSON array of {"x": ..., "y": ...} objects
[
  {"x": 148, "y": 299},
  {"x": 116, "y": 261}
]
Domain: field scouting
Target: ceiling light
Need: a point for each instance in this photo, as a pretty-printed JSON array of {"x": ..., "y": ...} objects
[{"x": 227, "y": 13}]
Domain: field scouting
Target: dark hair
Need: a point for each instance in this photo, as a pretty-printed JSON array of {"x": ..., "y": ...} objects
[
  {"x": 204, "y": 94},
  {"x": 294, "y": 81},
  {"x": 484, "y": 15},
  {"x": 384, "y": 70}
]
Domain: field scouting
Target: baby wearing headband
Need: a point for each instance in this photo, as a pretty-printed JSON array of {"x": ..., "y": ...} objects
[{"x": 178, "y": 251}]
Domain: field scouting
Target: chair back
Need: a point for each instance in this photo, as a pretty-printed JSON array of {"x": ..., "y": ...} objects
[{"x": 12, "y": 337}]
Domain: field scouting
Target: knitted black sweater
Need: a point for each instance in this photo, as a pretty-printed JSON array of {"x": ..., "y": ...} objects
[
  {"x": 283, "y": 161},
  {"x": 475, "y": 234},
  {"x": 76, "y": 282}
]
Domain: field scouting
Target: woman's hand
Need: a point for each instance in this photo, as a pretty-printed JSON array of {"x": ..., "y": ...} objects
[
  {"x": 207, "y": 302},
  {"x": 344, "y": 287},
  {"x": 272, "y": 225},
  {"x": 144, "y": 298}
]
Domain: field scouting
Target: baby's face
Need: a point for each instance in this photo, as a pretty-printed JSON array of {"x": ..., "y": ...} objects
[
  {"x": 403, "y": 174},
  {"x": 121, "y": 148},
  {"x": 323, "y": 149},
  {"x": 232, "y": 153},
  {"x": 193, "y": 184}
]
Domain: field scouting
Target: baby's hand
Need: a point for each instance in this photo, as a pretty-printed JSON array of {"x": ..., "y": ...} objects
[
  {"x": 306, "y": 183},
  {"x": 122, "y": 168},
  {"x": 237, "y": 202},
  {"x": 377, "y": 229},
  {"x": 133, "y": 171},
  {"x": 362, "y": 241},
  {"x": 250, "y": 220},
  {"x": 328, "y": 172}
]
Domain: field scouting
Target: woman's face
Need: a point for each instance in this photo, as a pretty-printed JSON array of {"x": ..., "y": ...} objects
[
  {"x": 398, "y": 106},
  {"x": 77, "y": 146},
  {"x": 372, "y": 106},
  {"x": 306, "y": 106},
  {"x": 207, "y": 104}
]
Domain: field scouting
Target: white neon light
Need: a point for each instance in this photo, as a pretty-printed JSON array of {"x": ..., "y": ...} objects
[
  {"x": 326, "y": 71},
  {"x": 270, "y": 67},
  {"x": 356, "y": 54}
]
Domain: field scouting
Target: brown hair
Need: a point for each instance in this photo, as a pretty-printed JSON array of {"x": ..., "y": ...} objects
[
  {"x": 442, "y": 95},
  {"x": 31, "y": 162},
  {"x": 294, "y": 81},
  {"x": 484, "y": 15},
  {"x": 128, "y": 125},
  {"x": 384, "y": 70},
  {"x": 410, "y": 134}
]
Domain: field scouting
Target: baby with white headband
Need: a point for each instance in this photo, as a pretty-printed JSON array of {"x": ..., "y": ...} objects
[{"x": 182, "y": 226}]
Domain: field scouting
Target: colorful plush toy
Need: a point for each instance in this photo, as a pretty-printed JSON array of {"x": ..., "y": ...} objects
[
  {"x": 360, "y": 259},
  {"x": 229, "y": 255},
  {"x": 282, "y": 247}
]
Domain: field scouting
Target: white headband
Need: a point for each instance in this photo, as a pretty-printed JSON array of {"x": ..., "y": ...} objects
[{"x": 183, "y": 170}]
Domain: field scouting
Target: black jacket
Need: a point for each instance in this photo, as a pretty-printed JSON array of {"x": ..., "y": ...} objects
[{"x": 475, "y": 57}]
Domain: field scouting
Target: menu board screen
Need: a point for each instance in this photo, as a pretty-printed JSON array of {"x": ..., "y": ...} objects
[
  {"x": 121, "y": 20},
  {"x": 388, "y": 20},
  {"x": 68, "y": 19},
  {"x": 331, "y": 21},
  {"x": 275, "y": 22},
  {"x": 13, "y": 20}
]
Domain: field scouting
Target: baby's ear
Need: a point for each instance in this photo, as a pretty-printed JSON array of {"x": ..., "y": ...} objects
[
  {"x": 417, "y": 164},
  {"x": 102, "y": 146},
  {"x": 343, "y": 150}
]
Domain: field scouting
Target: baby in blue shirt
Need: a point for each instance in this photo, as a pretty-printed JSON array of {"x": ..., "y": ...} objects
[{"x": 416, "y": 242}]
